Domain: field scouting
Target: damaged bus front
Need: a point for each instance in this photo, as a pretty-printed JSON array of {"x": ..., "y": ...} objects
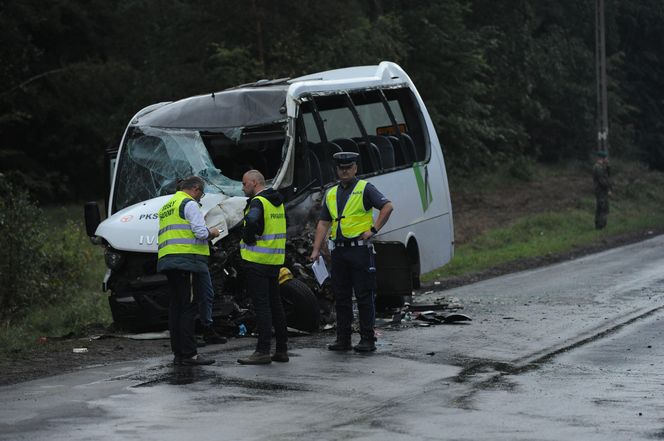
[{"x": 288, "y": 130}]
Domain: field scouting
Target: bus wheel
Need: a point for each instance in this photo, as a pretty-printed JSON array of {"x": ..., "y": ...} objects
[{"x": 300, "y": 305}]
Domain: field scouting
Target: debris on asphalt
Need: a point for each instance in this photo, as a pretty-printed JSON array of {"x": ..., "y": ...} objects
[
  {"x": 163, "y": 335},
  {"x": 439, "y": 318},
  {"x": 80, "y": 350},
  {"x": 442, "y": 311},
  {"x": 295, "y": 332}
]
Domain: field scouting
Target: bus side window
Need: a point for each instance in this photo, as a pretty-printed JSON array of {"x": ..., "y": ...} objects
[
  {"x": 324, "y": 152},
  {"x": 385, "y": 149},
  {"x": 404, "y": 153},
  {"x": 369, "y": 155},
  {"x": 406, "y": 111}
]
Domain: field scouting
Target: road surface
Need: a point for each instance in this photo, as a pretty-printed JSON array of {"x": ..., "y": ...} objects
[{"x": 572, "y": 351}]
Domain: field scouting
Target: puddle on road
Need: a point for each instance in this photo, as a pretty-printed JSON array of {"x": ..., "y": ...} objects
[
  {"x": 257, "y": 385},
  {"x": 184, "y": 375},
  {"x": 176, "y": 376}
]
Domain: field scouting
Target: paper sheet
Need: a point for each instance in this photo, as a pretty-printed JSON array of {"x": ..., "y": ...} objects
[
  {"x": 215, "y": 218},
  {"x": 320, "y": 270}
]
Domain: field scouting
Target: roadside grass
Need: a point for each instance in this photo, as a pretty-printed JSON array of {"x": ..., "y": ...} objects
[
  {"x": 77, "y": 312},
  {"x": 637, "y": 204}
]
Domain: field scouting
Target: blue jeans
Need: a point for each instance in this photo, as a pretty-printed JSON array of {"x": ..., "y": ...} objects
[{"x": 205, "y": 295}]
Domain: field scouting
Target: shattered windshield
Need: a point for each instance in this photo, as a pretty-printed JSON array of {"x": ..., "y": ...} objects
[{"x": 153, "y": 159}]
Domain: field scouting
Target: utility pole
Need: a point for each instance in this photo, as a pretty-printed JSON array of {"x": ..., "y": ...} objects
[{"x": 600, "y": 63}]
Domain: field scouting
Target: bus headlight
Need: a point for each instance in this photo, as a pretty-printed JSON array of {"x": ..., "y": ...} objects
[{"x": 114, "y": 260}]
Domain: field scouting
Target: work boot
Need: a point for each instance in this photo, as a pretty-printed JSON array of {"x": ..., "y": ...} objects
[
  {"x": 256, "y": 358},
  {"x": 281, "y": 357},
  {"x": 365, "y": 345},
  {"x": 196, "y": 360},
  {"x": 211, "y": 337},
  {"x": 340, "y": 345}
]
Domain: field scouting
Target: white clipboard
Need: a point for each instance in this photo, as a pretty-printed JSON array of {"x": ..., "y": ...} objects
[{"x": 320, "y": 270}]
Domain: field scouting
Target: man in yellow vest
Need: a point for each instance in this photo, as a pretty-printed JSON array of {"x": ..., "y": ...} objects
[
  {"x": 183, "y": 257},
  {"x": 263, "y": 251},
  {"x": 346, "y": 213}
]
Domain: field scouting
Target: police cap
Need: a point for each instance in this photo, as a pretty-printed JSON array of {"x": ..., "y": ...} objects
[{"x": 346, "y": 159}]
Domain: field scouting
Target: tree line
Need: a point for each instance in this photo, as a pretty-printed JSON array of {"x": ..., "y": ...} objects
[{"x": 503, "y": 80}]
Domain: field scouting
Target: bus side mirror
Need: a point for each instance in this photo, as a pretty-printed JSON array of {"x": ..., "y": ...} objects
[{"x": 92, "y": 218}]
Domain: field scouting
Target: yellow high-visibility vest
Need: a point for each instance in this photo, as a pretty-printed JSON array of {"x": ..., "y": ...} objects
[
  {"x": 354, "y": 220},
  {"x": 175, "y": 234},
  {"x": 270, "y": 247}
]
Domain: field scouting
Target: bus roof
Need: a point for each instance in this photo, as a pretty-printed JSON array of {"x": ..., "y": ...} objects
[
  {"x": 240, "y": 107},
  {"x": 262, "y": 102}
]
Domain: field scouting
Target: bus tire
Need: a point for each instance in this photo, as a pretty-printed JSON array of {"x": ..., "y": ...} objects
[{"x": 300, "y": 305}]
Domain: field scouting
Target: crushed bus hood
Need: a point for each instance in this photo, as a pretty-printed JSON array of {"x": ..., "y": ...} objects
[{"x": 135, "y": 228}]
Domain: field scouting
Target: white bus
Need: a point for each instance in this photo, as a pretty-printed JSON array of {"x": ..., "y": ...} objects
[{"x": 288, "y": 129}]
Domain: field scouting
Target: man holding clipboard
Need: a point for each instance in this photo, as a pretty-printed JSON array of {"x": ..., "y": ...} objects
[{"x": 346, "y": 213}]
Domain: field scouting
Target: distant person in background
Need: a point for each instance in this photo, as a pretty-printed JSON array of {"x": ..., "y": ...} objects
[{"x": 602, "y": 183}]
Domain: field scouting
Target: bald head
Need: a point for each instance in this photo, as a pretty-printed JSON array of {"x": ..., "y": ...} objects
[{"x": 253, "y": 182}]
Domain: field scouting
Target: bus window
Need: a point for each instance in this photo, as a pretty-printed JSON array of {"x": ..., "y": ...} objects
[
  {"x": 409, "y": 114},
  {"x": 374, "y": 116},
  {"x": 342, "y": 132},
  {"x": 337, "y": 118},
  {"x": 310, "y": 127}
]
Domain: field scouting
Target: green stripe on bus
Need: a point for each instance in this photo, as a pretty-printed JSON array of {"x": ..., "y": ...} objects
[{"x": 425, "y": 190}]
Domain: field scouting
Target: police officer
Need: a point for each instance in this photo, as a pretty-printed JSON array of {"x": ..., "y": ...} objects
[
  {"x": 263, "y": 251},
  {"x": 346, "y": 213},
  {"x": 183, "y": 257},
  {"x": 602, "y": 185}
]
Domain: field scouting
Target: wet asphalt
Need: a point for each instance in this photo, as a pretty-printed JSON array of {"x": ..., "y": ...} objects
[{"x": 572, "y": 351}]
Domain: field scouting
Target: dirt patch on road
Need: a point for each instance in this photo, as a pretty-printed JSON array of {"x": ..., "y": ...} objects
[{"x": 52, "y": 356}]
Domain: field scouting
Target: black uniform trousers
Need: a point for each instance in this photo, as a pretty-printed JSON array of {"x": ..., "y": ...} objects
[
  {"x": 182, "y": 313},
  {"x": 601, "y": 209},
  {"x": 263, "y": 285},
  {"x": 353, "y": 270}
]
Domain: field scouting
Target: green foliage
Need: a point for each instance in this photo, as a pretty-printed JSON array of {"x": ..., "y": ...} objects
[
  {"x": 21, "y": 234},
  {"x": 642, "y": 83},
  {"x": 73, "y": 317},
  {"x": 522, "y": 169},
  {"x": 42, "y": 263},
  {"x": 501, "y": 79},
  {"x": 232, "y": 66}
]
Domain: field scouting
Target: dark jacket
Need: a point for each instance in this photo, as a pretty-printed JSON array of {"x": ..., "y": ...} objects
[{"x": 254, "y": 223}]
